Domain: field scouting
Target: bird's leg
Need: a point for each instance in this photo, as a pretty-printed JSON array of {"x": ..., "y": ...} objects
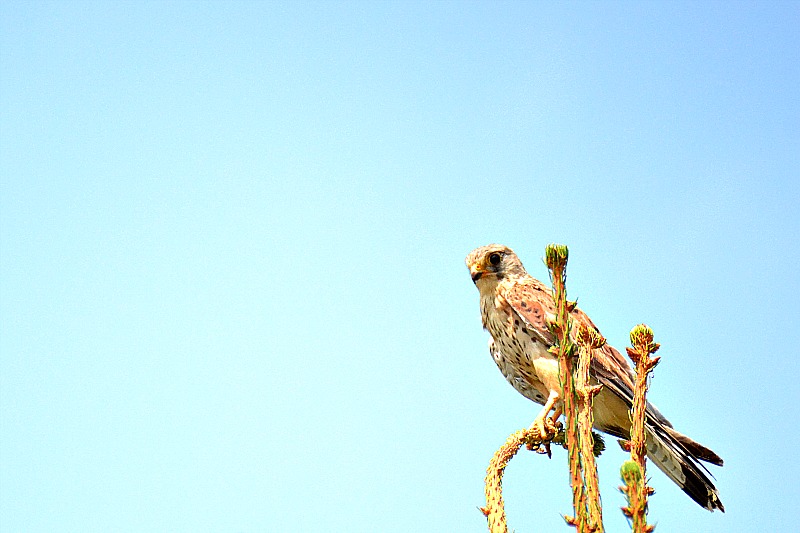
[
  {"x": 545, "y": 426},
  {"x": 556, "y": 414}
]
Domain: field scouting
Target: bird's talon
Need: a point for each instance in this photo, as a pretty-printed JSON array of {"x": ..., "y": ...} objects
[{"x": 544, "y": 428}]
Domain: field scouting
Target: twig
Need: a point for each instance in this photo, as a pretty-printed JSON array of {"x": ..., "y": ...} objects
[
  {"x": 588, "y": 339},
  {"x": 636, "y": 488},
  {"x": 495, "y": 510},
  {"x": 556, "y": 256}
]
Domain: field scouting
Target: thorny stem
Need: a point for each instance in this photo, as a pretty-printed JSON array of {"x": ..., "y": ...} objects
[
  {"x": 495, "y": 510},
  {"x": 636, "y": 492},
  {"x": 588, "y": 339},
  {"x": 636, "y": 487},
  {"x": 556, "y": 257}
]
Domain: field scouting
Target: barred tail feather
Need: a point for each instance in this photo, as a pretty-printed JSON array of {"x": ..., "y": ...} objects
[{"x": 678, "y": 457}]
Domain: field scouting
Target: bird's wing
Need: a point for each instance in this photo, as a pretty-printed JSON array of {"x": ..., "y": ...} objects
[{"x": 533, "y": 302}]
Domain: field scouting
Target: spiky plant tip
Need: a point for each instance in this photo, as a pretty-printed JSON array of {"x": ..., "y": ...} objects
[
  {"x": 630, "y": 472},
  {"x": 641, "y": 335},
  {"x": 588, "y": 336},
  {"x": 556, "y": 256}
]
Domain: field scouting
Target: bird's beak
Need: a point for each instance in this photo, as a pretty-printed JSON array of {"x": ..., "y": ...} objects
[{"x": 475, "y": 273}]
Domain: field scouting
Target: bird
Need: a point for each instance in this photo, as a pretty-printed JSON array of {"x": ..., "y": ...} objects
[{"x": 515, "y": 308}]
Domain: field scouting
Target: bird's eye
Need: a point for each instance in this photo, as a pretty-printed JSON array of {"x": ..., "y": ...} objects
[{"x": 495, "y": 259}]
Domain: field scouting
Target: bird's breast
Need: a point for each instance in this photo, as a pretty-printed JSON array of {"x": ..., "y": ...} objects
[{"x": 522, "y": 359}]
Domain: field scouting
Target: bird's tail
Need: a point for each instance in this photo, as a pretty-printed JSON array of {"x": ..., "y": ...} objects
[{"x": 679, "y": 458}]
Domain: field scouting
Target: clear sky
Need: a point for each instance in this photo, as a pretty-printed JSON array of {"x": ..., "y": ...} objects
[{"x": 232, "y": 288}]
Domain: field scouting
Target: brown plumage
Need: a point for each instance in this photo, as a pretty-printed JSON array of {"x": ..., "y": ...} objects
[{"x": 514, "y": 307}]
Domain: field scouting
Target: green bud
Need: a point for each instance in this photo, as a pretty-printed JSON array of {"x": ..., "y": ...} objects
[
  {"x": 642, "y": 338},
  {"x": 630, "y": 471},
  {"x": 556, "y": 256}
]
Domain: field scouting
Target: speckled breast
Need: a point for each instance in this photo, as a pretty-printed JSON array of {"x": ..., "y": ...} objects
[{"x": 511, "y": 348}]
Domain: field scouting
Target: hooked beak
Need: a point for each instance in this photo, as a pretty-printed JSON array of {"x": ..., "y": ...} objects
[{"x": 475, "y": 272}]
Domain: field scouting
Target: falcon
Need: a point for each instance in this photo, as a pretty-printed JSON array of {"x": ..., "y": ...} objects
[{"x": 514, "y": 307}]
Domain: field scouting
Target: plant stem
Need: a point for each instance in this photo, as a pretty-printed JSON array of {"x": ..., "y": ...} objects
[
  {"x": 556, "y": 257},
  {"x": 637, "y": 492},
  {"x": 588, "y": 339},
  {"x": 495, "y": 509}
]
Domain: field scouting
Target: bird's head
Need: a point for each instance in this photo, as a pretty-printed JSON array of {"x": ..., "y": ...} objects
[{"x": 493, "y": 263}]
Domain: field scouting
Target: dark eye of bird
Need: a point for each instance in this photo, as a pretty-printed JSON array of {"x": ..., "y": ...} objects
[{"x": 494, "y": 259}]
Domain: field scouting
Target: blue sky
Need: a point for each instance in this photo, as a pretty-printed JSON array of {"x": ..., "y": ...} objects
[{"x": 232, "y": 290}]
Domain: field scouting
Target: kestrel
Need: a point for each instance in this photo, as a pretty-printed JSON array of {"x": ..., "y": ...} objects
[{"x": 513, "y": 308}]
